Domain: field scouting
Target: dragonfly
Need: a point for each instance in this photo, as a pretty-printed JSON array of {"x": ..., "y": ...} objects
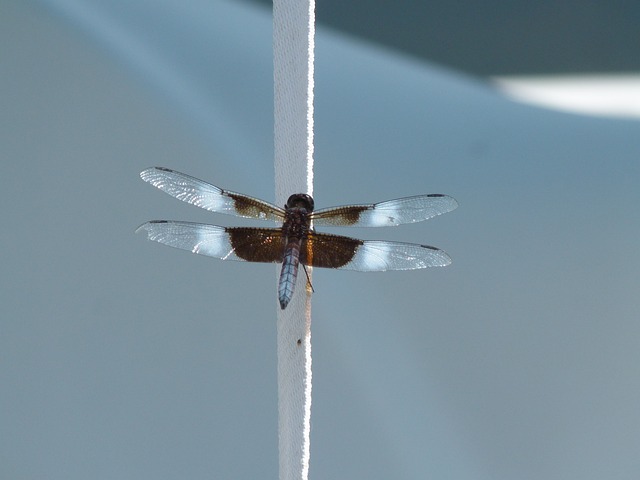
[{"x": 295, "y": 241}]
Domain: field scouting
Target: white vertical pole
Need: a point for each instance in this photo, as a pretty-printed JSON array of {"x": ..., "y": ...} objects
[{"x": 293, "y": 46}]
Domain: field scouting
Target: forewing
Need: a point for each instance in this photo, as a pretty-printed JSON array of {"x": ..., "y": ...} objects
[
  {"x": 204, "y": 195},
  {"x": 335, "y": 251},
  {"x": 386, "y": 214},
  {"x": 237, "y": 243}
]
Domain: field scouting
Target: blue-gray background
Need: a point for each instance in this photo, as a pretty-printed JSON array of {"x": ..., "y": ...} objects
[{"x": 120, "y": 358}]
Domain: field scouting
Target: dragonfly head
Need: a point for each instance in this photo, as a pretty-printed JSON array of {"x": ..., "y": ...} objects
[{"x": 300, "y": 200}]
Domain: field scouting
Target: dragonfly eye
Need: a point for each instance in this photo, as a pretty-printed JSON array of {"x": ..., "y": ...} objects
[{"x": 300, "y": 200}]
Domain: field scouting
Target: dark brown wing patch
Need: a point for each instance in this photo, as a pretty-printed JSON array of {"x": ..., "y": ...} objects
[
  {"x": 328, "y": 251},
  {"x": 250, "y": 207},
  {"x": 257, "y": 244},
  {"x": 340, "y": 216}
]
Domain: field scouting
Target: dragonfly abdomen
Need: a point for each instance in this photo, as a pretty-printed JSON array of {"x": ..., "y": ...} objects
[{"x": 289, "y": 272}]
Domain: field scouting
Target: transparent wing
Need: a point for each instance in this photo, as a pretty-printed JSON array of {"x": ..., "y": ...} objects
[
  {"x": 335, "y": 251},
  {"x": 233, "y": 243},
  {"x": 386, "y": 214},
  {"x": 204, "y": 195}
]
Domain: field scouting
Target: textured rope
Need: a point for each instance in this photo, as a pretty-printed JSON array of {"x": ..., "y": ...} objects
[{"x": 293, "y": 37}]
